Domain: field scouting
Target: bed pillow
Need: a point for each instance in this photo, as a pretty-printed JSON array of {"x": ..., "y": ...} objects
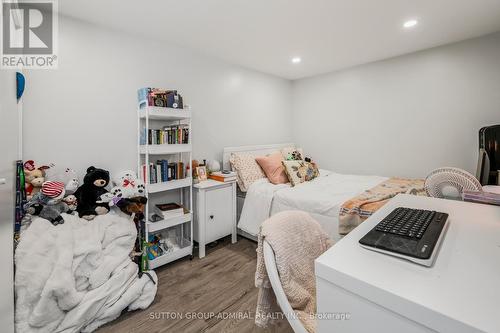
[
  {"x": 247, "y": 170},
  {"x": 292, "y": 154},
  {"x": 300, "y": 171},
  {"x": 271, "y": 164}
]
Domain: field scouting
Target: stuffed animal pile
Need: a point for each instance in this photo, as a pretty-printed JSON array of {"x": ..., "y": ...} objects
[
  {"x": 54, "y": 191},
  {"x": 48, "y": 203}
]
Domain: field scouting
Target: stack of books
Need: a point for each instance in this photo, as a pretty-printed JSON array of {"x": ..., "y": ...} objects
[
  {"x": 178, "y": 134},
  {"x": 163, "y": 171},
  {"x": 223, "y": 177},
  {"x": 169, "y": 210},
  {"x": 481, "y": 197},
  {"x": 160, "y": 98}
]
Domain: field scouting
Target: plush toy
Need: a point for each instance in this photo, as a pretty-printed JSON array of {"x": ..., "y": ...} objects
[
  {"x": 294, "y": 155},
  {"x": 67, "y": 176},
  {"x": 116, "y": 191},
  {"x": 94, "y": 185},
  {"x": 133, "y": 205},
  {"x": 48, "y": 203},
  {"x": 34, "y": 178},
  {"x": 140, "y": 189},
  {"x": 71, "y": 201},
  {"x": 129, "y": 185},
  {"x": 109, "y": 198}
]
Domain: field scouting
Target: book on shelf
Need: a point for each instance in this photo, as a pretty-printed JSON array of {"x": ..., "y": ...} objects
[
  {"x": 169, "y": 210},
  {"x": 162, "y": 171},
  {"x": 178, "y": 134}
]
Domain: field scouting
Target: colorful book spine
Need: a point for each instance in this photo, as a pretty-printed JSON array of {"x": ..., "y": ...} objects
[
  {"x": 163, "y": 171},
  {"x": 167, "y": 135},
  {"x": 158, "y": 173},
  {"x": 152, "y": 171}
]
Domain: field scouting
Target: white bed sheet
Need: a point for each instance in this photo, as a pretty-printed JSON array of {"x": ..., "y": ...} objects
[{"x": 321, "y": 197}]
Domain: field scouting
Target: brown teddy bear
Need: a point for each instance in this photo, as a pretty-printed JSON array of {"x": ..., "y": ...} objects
[{"x": 34, "y": 178}]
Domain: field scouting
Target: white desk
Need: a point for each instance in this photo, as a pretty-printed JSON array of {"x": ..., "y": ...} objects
[{"x": 459, "y": 293}]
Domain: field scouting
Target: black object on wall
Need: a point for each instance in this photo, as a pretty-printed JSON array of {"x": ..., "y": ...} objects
[{"x": 489, "y": 140}]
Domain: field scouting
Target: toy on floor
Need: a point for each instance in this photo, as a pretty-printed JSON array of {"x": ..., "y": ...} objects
[
  {"x": 48, "y": 203},
  {"x": 94, "y": 185}
]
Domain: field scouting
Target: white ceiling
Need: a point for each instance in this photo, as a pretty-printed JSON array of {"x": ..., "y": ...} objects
[{"x": 265, "y": 34}]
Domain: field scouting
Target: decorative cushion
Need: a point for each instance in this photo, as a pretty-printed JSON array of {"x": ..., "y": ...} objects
[
  {"x": 292, "y": 154},
  {"x": 247, "y": 170},
  {"x": 300, "y": 171},
  {"x": 271, "y": 164}
]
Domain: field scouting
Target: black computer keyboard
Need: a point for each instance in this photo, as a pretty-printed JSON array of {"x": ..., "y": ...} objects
[
  {"x": 406, "y": 222},
  {"x": 408, "y": 232}
]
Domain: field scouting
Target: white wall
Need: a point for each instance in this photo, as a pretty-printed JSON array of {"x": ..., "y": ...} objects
[
  {"x": 84, "y": 113},
  {"x": 403, "y": 116}
]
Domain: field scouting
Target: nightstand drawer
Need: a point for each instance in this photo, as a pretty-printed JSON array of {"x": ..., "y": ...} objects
[{"x": 219, "y": 213}]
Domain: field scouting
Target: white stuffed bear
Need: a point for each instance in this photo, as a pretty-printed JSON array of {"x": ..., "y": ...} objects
[{"x": 128, "y": 185}]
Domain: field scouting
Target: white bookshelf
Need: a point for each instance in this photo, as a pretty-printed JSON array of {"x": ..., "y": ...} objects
[
  {"x": 170, "y": 185},
  {"x": 165, "y": 149},
  {"x": 169, "y": 223},
  {"x": 158, "y": 113},
  {"x": 148, "y": 153}
]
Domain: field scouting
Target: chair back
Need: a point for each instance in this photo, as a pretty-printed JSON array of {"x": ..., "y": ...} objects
[{"x": 274, "y": 278}]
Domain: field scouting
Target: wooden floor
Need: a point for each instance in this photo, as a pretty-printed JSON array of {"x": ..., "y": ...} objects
[{"x": 218, "y": 289}]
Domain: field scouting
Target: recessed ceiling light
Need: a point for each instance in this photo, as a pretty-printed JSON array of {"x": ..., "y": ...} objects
[
  {"x": 410, "y": 23},
  {"x": 296, "y": 60}
]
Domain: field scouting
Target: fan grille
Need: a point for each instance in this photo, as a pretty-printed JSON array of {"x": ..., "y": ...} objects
[{"x": 455, "y": 178}]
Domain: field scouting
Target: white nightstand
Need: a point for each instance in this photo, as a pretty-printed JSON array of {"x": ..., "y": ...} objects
[{"x": 214, "y": 212}]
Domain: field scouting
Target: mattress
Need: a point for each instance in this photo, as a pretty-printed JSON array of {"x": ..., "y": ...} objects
[{"x": 321, "y": 197}]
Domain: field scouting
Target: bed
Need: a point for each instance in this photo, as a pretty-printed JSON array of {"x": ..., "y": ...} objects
[{"x": 321, "y": 197}]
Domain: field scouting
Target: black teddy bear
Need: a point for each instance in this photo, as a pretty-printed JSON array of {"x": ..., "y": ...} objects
[{"x": 87, "y": 195}]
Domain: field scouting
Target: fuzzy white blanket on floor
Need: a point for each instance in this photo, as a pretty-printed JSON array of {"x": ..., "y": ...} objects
[{"x": 78, "y": 276}]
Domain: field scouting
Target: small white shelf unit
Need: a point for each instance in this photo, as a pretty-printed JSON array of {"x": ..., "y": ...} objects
[{"x": 180, "y": 152}]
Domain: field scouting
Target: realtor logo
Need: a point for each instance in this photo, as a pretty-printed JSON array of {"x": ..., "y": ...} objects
[{"x": 29, "y": 34}]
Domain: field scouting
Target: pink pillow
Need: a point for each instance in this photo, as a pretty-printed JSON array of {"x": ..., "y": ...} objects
[{"x": 273, "y": 168}]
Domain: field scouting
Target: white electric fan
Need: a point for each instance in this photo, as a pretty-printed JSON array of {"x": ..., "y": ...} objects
[{"x": 449, "y": 183}]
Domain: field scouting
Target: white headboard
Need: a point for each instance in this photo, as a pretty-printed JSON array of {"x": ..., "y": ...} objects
[{"x": 254, "y": 150}]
